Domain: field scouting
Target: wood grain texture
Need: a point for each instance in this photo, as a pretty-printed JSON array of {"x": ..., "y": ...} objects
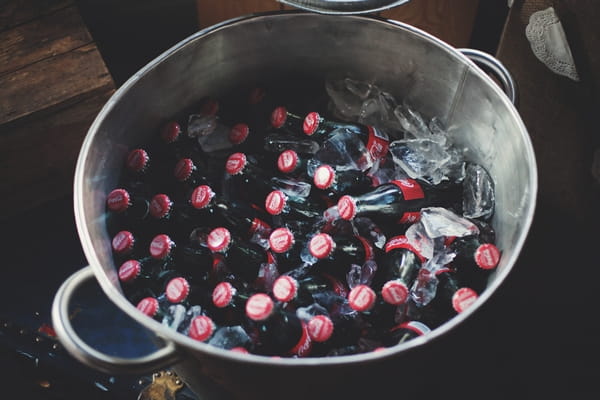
[{"x": 13, "y": 13}]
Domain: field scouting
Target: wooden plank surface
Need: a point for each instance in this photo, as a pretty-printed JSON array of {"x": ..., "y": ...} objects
[{"x": 13, "y": 13}]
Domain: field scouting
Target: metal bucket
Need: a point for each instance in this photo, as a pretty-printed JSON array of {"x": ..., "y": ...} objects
[{"x": 434, "y": 77}]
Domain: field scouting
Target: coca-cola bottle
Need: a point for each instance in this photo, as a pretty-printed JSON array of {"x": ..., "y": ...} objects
[
  {"x": 290, "y": 163},
  {"x": 404, "y": 332},
  {"x": 399, "y": 267},
  {"x": 402, "y": 199},
  {"x": 278, "y": 332},
  {"x": 180, "y": 290},
  {"x": 154, "y": 307},
  {"x": 127, "y": 209},
  {"x": 143, "y": 277},
  {"x": 242, "y": 257},
  {"x": 319, "y": 128},
  {"x": 378, "y": 314},
  {"x": 305, "y": 291},
  {"x": 277, "y": 203},
  {"x": 245, "y": 179},
  {"x": 336, "y": 254},
  {"x": 229, "y": 302},
  {"x": 188, "y": 176},
  {"x": 126, "y": 245},
  {"x": 201, "y": 328},
  {"x": 333, "y": 184},
  {"x": 173, "y": 144},
  {"x": 279, "y": 142},
  {"x": 333, "y": 331},
  {"x": 284, "y": 120}
]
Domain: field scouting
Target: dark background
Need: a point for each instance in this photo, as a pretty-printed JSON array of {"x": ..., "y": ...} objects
[{"x": 536, "y": 337}]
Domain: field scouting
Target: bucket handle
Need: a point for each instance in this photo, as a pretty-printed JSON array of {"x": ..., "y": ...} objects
[
  {"x": 89, "y": 356},
  {"x": 494, "y": 66}
]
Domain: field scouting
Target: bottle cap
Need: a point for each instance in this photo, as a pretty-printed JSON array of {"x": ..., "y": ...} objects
[
  {"x": 361, "y": 298},
  {"x": 218, "y": 239},
  {"x": 275, "y": 202},
  {"x": 148, "y": 306},
  {"x": 160, "y": 205},
  {"x": 321, "y": 245},
  {"x": 201, "y": 328},
  {"x": 256, "y": 95},
  {"x": 487, "y": 256},
  {"x": 209, "y": 107},
  {"x": 235, "y": 163},
  {"x": 463, "y": 298},
  {"x": 123, "y": 242},
  {"x": 346, "y": 207},
  {"x": 170, "y": 132},
  {"x": 324, "y": 176},
  {"x": 311, "y": 122},
  {"x": 285, "y": 288},
  {"x": 281, "y": 240},
  {"x": 137, "y": 160},
  {"x": 287, "y": 161},
  {"x": 223, "y": 294},
  {"x": 320, "y": 328},
  {"x": 278, "y": 117},
  {"x": 118, "y": 200},
  {"x": 183, "y": 169},
  {"x": 239, "y": 133},
  {"x": 177, "y": 290},
  {"x": 201, "y": 196},
  {"x": 394, "y": 292},
  {"x": 129, "y": 270},
  {"x": 259, "y": 306},
  {"x": 161, "y": 246}
]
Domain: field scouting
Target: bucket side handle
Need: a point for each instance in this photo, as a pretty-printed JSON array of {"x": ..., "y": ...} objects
[
  {"x": 91, "y": 357},
  {"x": 492, "y": 65}
]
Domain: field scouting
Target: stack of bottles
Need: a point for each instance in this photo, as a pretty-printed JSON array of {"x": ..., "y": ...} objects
[{"x": 262, "y": 225}]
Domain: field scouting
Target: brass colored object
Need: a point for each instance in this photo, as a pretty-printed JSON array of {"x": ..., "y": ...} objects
[{"x": 164, "y": 386}]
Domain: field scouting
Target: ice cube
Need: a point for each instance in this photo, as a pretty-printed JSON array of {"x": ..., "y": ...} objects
[
  {"x": 228, "y": 337},
  {"x": 478, "y": 192}
]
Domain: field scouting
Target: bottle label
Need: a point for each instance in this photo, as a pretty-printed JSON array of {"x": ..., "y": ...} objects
[
  {"x": 417, "y": 327},
  {"x": 410, "y": 217},
  {"x": 411, "y": 190},
  {"x": 367, "y": 246},
  {"x": 401, "y": 242},
  {"x": 377, "y": 144},
  {"x": 259, "y": 226},
  {"x": 336, "y": 285},
  {"x": 304, "y": 345}
]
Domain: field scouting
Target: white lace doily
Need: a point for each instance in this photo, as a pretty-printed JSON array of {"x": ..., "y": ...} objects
[{"x": 549, "y": 43}]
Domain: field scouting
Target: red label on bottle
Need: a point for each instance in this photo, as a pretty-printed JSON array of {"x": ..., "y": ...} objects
[
  {"x": 218, "y": 239},
  {"x": 239, "y": 133},
  {"x": 304, "y": 345},
  {"x": 183, "y": 169},
  {"x": 201, "y": 328},
  {"x": 201, "y": 196},
  {"x": 160, "y": 206},
  {"x": 148, "y": 306},
  {"x": 285, "y": 288},
  {"x": 401, "y": 242},
  {"x": 160, "y": 247},
  {"x": 320, "y": 328},
  {"x": 367, "y": 246},
  {"x": 417, "y": 327},
  {"x": 411, "y": 190},
  {"x": 324, "y": 176},
  {"x": 278, "y": 117},
  {"x": 463, "y": 298},
  {"x": 487, "y": 256},
  {"x": 321, "y": 245},
  {"x": 361, "y": 298},
  {"x": 222, "y": 294},
  {"x": 394, "y": 292},
  {"x": 287, "y": 161},
  {"x": 235, "y": 163},
  {"x": 336, "y": 285},
  {"x": 377, "y": 145},
  {"x": 122, "y": 242},
  {"x": 275, "y": 202},
  {"x": 259, "y": 306},
  {"x": 170, "y": 132},
  {"x": 137, "y": 160},
  {"x": 129, "y": 270},
  {"x": 118, "y": 200},
  {"x": 259, "y": 226},
  {"x": 410, "y": 217},
  {"x": 311, "y": 123},
  {"x": 281, "y": 240},
  {"x": 177, "y": 290}
]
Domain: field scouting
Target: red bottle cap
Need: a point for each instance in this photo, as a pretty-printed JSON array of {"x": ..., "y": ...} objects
[
  {"x": 394, "y": 292},
  {"x": 137, "y": 160},
  {"x": 118, "y": 200},
  {"x": 209, "y": 107},
  {"x": 463, "y": 298},
  {"x": 177, "y": 290},
  {"x": 287, "y": 161},
  {"x": 487, "y": 256},
  {"x": 201, "y": 328},
  {"x": 311, "y": 122},
  {"x": 161, "y": 246},
  {"x": 281, "y": 240},
  {"x": 183, "y": 169},
  {"x": 223, "y": 294},
  {"x": 123, "y": 242},
  {"x": 347, "y": 207},
  {"x": 361, "y": 298},
  {"x": 160, "y": 205},
  {"x": 235, "y": 163},
  {"x": 259, "y": 306},
  {"x": 320, "y": 328},
  {"x": 129, "y": 270},
  {"x": 148, "y": 306},
  {"x": 324, "y": 176},
  {"x": 239, "y": 133},
  {"x": 285, "y": 288},
  {"x": 321, "y": 245},
  {"x": 278, "y": 117},
  {"x": 170, "y": 132},
  {"x": 201, "y": 196},
  {"x": 218, "y": 239},
  {"x": 275, "y": 202}
]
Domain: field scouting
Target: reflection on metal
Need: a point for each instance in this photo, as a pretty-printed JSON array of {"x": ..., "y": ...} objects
[
  {"x": 344, "y": 7},
  {"x": 164, "y": 386}
]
